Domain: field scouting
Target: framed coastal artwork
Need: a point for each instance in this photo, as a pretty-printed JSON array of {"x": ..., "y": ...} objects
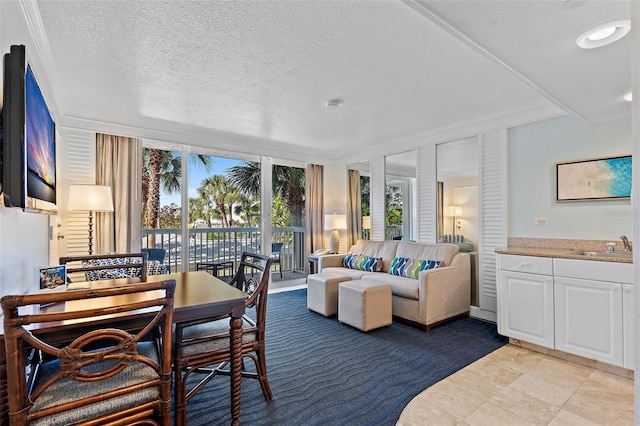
[{"x": 595, "y": 179}]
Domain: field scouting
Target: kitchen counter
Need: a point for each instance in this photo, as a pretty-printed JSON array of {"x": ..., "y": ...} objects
[{"x": 564, "y": 249}]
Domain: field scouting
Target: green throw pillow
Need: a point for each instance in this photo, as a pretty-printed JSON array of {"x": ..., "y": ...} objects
[
  {"x": 362, "y": 262},
  {"x": 411, "y": 268}
]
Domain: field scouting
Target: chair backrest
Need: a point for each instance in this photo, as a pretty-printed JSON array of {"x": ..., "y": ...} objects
[
  {"x": 105, "y": 366},
  {"x": 276, "y": 250},
  {"x": 250, "y": 265},
  {"x": 108, "y": 266},
  {"x": 155, "y": 254}
]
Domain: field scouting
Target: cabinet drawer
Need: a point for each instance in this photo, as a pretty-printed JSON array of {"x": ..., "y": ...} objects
[
  {"x": 594, "y": 270},
  {"x": 528, "y": 264}
]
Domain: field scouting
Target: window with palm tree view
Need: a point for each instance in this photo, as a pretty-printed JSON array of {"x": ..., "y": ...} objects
[{"x": 223, "y": 209}]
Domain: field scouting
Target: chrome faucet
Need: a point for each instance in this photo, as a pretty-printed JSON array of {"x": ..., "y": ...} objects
[{"x": 627, "y": 246}]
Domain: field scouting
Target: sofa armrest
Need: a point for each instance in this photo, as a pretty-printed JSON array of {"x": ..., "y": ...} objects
[
  {"x": 329, "y": 260},
  {"x": 445, "y": 292}
]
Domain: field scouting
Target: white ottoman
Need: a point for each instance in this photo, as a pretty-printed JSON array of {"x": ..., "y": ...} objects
[
  {"x": 365, "y": 304},
  {"x": 322, "y": 292}
]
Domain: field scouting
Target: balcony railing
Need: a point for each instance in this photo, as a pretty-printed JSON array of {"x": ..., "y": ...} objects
[{"x": 226, "y": 244}]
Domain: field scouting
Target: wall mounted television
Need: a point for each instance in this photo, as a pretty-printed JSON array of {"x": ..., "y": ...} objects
[{"x": 28, "y": 142}]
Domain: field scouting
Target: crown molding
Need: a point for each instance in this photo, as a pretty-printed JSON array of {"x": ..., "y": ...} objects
[
  {"x": 200, "y": 137},
  {"x": 525, "y": 113},
  {"x": 195, "y": 136},
  {"x": 41, "y": 54}
]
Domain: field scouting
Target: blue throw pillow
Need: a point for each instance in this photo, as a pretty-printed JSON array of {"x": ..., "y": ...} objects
[
  {"x": 362, "y": 262},
  {"x": 411, "y": 268}
]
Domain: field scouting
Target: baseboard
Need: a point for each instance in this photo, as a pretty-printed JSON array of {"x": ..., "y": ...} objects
[{"x": 476, "y": 312}]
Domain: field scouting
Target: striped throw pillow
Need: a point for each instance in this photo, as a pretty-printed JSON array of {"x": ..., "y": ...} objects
[
  {"x": 411, "y": 268},
  {"x": 362, "y": 262}
]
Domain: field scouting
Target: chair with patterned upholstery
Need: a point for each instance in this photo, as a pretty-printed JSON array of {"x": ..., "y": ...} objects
[
  {"x": 156, "y": 264},
  {"x": 203, "y": 347},
  {"x": 108, "y": 266},
  {"x": 102, "y": 373}
]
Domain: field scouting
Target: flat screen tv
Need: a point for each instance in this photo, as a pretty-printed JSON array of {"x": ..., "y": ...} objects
[
  {"x": 41, "y": 142},
  {"x": 28, "y": 143}
]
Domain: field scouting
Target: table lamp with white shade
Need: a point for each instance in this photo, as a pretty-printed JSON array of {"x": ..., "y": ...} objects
[
  {"x": 335, "y": 222},
  {"x": 366, "y": 225},
  {"x": 91, "y": 198},
  {"x": 453, "y": 211}
]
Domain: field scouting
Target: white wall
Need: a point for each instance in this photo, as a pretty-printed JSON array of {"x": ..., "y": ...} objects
[
  {"x": 24, "y": 246},
  {"x": 533, "y": 150}
]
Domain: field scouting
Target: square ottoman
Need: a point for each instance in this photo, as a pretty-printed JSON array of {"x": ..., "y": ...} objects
[
  {"x": 364, "y": 304},
  {"x": 322, "y": 292}
]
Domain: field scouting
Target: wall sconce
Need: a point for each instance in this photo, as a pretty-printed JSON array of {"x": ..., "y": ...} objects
[
  {"x": 335, "y": 222},
  {"x": 453, "y": 211},
  {"x": 91, "y": 198}
]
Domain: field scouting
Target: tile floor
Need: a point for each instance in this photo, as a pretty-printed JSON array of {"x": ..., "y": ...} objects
[{"x": 518, "y": 386}]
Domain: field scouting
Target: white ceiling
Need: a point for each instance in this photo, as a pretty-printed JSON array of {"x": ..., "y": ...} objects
[{"x": 255, "y": 76}]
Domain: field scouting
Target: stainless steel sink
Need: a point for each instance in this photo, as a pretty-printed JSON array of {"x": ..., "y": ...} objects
[{"x": 614, "y": 254}]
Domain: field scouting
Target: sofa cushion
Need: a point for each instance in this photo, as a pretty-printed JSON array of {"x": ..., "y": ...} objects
[
  {"x": 362, "y": 262},
  {"x": 407, "y": 288},
  {"x": 355, "y": 274},
  {"x": 384, "y": 249},
  {"x": 411, "y": 268},
  {"x": 442, "y": 252}
]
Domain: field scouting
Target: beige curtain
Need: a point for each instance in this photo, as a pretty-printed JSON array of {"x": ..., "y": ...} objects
[
  {"x": 314, "y": 205},
  {"x": 354, "y": 209},
  {"x": 119, "y": 165}
]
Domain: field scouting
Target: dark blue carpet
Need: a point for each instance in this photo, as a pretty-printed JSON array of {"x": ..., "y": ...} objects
[{"x": 323, "y": 372}]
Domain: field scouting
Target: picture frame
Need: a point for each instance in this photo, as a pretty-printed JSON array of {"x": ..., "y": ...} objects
[
  {"x": 606, "y": 178},
  {"x": 52, "y": 278}
]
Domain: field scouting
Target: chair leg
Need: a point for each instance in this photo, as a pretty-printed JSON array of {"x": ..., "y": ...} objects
[
  {"x": 180, "y": 403},
  {"x": 261, "y": 366}
]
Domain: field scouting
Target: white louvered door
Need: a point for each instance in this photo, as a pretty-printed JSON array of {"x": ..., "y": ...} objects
[
  {"x": 493, "y": 205},
  {"x": 427, "y": 212},
  {"x": 78, "y": 166},
  {"x": 378, "y": 201}
]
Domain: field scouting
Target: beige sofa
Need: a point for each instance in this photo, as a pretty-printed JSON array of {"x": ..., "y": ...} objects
[{"x": 437, "y": 295}]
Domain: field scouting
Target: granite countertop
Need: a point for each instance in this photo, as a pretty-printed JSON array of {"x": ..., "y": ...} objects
[{"x": 564, "y": 249}]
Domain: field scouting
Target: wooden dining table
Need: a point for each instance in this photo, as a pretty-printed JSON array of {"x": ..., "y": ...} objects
[{"x": 198, "y": 295}]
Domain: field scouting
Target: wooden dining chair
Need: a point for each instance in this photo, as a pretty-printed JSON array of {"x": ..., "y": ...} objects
[
  {"x": 108, "y": 266},
  {"x": 106, "y": 372},
  {"x": 202, "y": 347}
]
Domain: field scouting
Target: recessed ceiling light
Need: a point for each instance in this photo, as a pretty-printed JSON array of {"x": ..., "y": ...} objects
[
  {"x": 628, "y": 97},
  {"x": 603, "y": 34},
  {"x": 334, "y": 103}
]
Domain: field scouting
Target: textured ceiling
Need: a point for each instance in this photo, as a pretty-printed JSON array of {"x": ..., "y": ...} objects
[{"x": 255, "y": 76}]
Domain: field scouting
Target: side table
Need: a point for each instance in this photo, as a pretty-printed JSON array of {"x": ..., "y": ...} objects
[{"x": 313, "y": 261}]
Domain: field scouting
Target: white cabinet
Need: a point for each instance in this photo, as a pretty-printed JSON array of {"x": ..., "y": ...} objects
[
  {"x": 589, "y": 308},
  {"x": 589, "y": 319},
  {"x": 582, "y": 307},
  {"x": 525, "y": 299},
  {"x": 628, "y": 325}
]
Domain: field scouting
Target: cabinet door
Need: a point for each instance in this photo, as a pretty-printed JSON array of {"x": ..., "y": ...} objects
[
  {"x": 589, "y": 319},
  {"x": 628, "y": 326},
  {"x": 525, "y": 307}
]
